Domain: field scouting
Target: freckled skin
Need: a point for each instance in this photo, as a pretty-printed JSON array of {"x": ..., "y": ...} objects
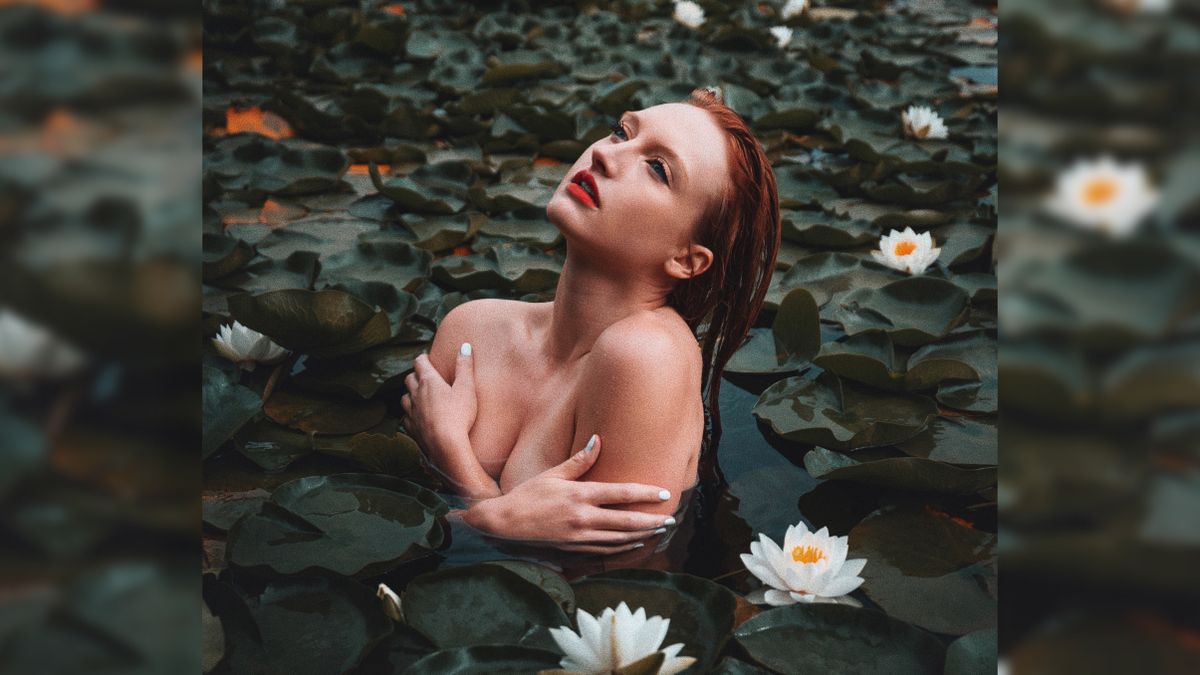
[{"x": 607, "y": 356}]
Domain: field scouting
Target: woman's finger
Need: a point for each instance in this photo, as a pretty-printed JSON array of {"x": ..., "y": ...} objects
[
  {"x": 613, "y": 538},
  {"x": 410, "y": 381},
  {"x": 425, "y": 369},
  {"x": 603, "y": 550},
  {"x": 627, "y": 521},
  {"x": 623, "y": 493},
  {"x": 406, "y": 403}
]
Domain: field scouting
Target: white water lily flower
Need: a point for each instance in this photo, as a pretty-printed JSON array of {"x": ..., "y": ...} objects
[
  {"x": 811, "y": 566},
  {"x": 246, "y": 347},
  {"x": 1103, "y": 195},
  {"x": 689, "y": 14},
  {"x": 783, "y": 35},
  {"x": 906, "y": 251},
  {"x": 794, "y": 8},
  {"x": 28, "y": 350},
  {"x": 922, "y": 122},
  {"x": 616, "y": 639},
  {"x": 390, "y": 602}
]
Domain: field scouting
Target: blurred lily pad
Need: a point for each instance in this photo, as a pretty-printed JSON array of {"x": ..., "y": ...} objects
[
  {"x": 805, "y": 638},
  {"x": 349, "y": 524}
]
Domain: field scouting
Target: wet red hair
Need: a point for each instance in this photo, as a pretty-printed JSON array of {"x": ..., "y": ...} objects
[{"x": 742, "y": 228}]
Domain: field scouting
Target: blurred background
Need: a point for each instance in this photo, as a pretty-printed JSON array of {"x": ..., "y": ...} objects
[
  {"x": 1099, "y": 325},
  {"x": 99, "y": 388}
]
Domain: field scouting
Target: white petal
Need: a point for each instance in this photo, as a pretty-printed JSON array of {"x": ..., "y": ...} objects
[
  {"x": 778, "y": 598},
  {"x": 841, "y": 586},
  {"x": 673, "y": 663},
  {"x": 764, "y": 572},
  {"x": 853, "y": 567}
]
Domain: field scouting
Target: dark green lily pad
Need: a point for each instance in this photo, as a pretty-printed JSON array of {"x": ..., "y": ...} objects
[
  {"x": 485, "y": 660},
  {"x": 380, "y": 450},
  {"x": 829, "y": 274},
  {"x": 349, "y": 524},
  {"x": 227, "y": 406},
  {"x": 868, "y": 357},
  {"x": 441, "y": 233},
  {"x": 904, "y": 473},
  {"x": 701, "y": 612},
  {"x": 478, "y": 604},
  {"x": 253, "y": 164},
  {"x": 414, "y": 196},
  {"x": 914, "y": 311},
  {"x": 364, "y": 374},
  {"x": 831, "y": 413},
  {"x": 817, "y": 228},
  {"x": 379, "y": 257},
  {"x": 807, "y": 638},
  {"x": 223, "y": 255},
  {"x": 929, "y": 569},
  {"x": 514, "y": 267},
  {"x": 313, "y": 415},
  {"x": 298, "y": 270},
  {"x": 304, "y": 626},
  {"x": 958, "y": 440},
  {"x": 222, "y": 512},
  {"x": 318, "y": 323},
  {"x": 973, "y": 654},
  {"x": 271, "y": 446},
  {"x": 527, "y": 227},
  {"x": 547, "y": 579},
  {"x": 794, "y": 337}
]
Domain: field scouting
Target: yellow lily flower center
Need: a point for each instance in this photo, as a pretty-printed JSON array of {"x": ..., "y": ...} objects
[
  {"x": 807, "y": 554},
  {"x": 1099, "y": 191},
  {"x": 904, "y": 248}
]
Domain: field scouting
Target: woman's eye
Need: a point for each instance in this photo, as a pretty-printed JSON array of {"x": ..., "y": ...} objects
[
  {"x": 659, "y": 169},
  {"x": 618, "y": 130}
]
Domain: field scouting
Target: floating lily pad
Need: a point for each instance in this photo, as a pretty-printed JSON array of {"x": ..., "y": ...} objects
[
  {"x": 958, "y": 440},
  {"x": 914, "y": 311},
  {"x": 303, "y": 626},
  {"x": 441, "y": 233},
  {"x": 254, "y": 164},
  {"x": 515, "y": 267},
  {"x": 318, "y": 323},
  {"x": 794, "y": 337},
  {"x": 364, "y": 374},
  {"x": 826, "y": 275},
  {"x": 479, "y": 604},
  {"x": 227, "y": 406},
  {"x": 298, "y": 270},
  {"x": 929, "y": 569},
  {"x": 271, "y": 446},
  {"x": 806, "y": 638},
  {"x": 973, "y": 654},
  {"x": 485, "y": 660},
  {"x": 868, "y": 357},
  {"x": 349, "y": 524},
  {"x": 413, "y": 195},
  {"x": 379, "y": 257},
  {"x": 904, "y": 473},
  {"x": 223, "y": 255},
  {"x": 380, "y": 450},
  {"x": 831, "y": 413},
  {"x": 701, "y": 612},
  {"x": 221, "y": 512},
  {"x": 817, "y": 228},
  {"x": 313, "y": 415}
]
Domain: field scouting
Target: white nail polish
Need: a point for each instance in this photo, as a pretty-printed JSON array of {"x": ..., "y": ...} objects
[
  {"x": 664, "y": 495},
  {"x": 638, "y": 545},
  {"x": 660, "y": 530},
  {"x": 669, "y": 521},
  {"x": 466, "y": 349},
  {"x": 591, "y": 444}
]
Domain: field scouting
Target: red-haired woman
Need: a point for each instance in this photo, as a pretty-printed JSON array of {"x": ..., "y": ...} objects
[{"x": 672, "y": 227}]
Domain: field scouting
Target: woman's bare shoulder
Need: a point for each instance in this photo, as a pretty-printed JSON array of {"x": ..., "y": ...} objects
[
  {"x": 476, "y": 321},
  {"x": 650, "y": 342}
]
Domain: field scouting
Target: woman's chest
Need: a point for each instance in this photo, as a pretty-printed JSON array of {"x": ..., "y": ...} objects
[{"x": 524, "y": 423}]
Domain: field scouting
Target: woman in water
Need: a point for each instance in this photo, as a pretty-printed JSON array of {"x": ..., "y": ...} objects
[{"x": 672, "y": 227}]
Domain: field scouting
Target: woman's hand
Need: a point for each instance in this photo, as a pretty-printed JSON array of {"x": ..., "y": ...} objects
[
  {"x": 555, "y": 509},
  {"x": 439, "y": 416}
]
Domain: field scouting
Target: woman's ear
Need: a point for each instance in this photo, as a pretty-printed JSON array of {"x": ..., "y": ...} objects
[{"x": 690, "y": 262}]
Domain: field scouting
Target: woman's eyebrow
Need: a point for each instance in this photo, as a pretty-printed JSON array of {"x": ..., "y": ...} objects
[{"x": 681, "y": 170}]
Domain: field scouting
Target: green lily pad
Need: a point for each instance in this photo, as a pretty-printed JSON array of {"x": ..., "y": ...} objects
[
  {"x": 527, "y": 227},
  {"x": 379, "y": 257},
  {"x": 220, "y": 513},
  {"x": 806, "y": 638},
  {"x": 929, "y": 569},
  {"x": 227, "y": 406},
  {"x": 478, "y": 604},
  {"x": 973, "y": 654},
  {"x": 251, "y": 164},
  {"x": 414, "y": 196},
  {"x": 350, "y": 524},
  {"x": 364, "y": 374},
  {"x": 318, "y": 323},
  {"x": 264, "y": 275},
  {"x": 441, "y": 233},
  {"x": 958, "y": 440},
  {"x": 701, "y": 612},
  {"x": 303, "y": 626},
  {"x": 841, "y": 415},
  {"x": 271, "y": 446},
  {"x": 868, "y": 357},
  {"x": 223, "y": 255},
  {"x": 816, "y": 228},
  {"x": 485, "y": 660},
  {"x": 827, "y": 275},
  {"x": 514, "y": 267},
  {"x": 794, "y": 337},
  {"x": 547, "y": 579},
  {"x": 904, "y": 473},
  {"x": 313, "y": 415},
  {"x": 914, "y": 311},
  {"x": 379, "y": 450}
]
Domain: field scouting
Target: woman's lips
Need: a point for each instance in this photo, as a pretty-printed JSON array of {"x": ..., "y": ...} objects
[{"x": 576, "y": 188}]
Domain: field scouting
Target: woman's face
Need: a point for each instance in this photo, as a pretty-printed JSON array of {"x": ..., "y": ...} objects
[{"x": 637, "y": 194}]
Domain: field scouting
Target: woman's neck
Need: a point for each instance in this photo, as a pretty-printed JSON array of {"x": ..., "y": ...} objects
[{"x": 590, "y": 298}]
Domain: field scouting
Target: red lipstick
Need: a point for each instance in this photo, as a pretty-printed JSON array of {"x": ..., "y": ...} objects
[{"x": 583, "y": 187}]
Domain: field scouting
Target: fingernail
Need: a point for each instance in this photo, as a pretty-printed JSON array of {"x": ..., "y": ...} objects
[
  {"x": 639, "y": 545},
  {"x": 660, "y": 530},
  {"x": 591, "y": 444},
  {"x": 669, "y": 521},
  {"x": 664, "y": 495},
  {"x": 466, "y": 349}
]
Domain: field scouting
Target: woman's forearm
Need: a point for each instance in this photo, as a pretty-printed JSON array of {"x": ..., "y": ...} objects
[{"x": 460, "y": 465}]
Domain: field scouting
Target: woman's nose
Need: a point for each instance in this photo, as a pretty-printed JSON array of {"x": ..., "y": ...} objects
[{"x": 604, "y": 160}]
